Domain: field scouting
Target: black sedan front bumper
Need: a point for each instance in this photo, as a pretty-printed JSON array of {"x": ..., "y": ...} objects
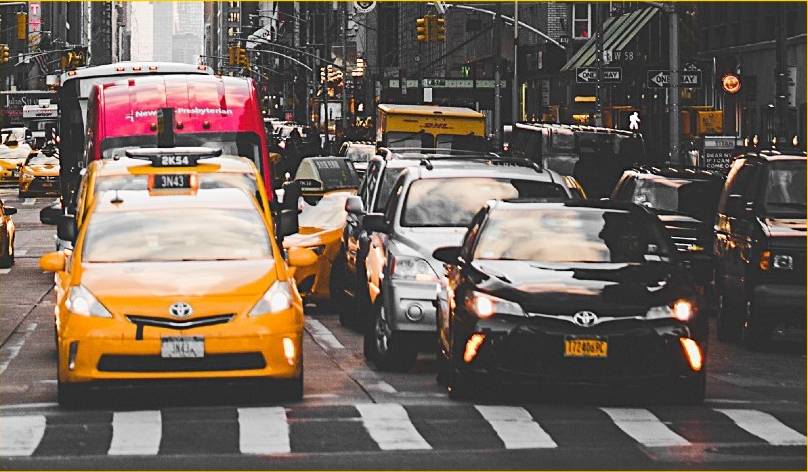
[{"x": 533, "y": 350}]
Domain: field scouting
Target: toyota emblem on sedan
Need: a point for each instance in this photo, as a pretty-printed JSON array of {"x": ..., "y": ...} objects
[
  {"x": 585, "y": 318},
  {"x": 181, "y": 310}
]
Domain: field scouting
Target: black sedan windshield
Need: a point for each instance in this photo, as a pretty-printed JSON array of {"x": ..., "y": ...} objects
[{"x": 567, "y": 235}]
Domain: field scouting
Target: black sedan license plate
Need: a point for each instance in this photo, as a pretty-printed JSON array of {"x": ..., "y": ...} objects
[
  {"x": 585, "y": 347},
  {"x": 171, "y": 181},
  {"x": 182, "y": 346}
]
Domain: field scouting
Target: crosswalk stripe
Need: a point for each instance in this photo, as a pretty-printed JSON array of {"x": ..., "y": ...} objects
[
  {"x": 20, "y": 435},
  {"x": 263, "y": 430},
  {"x": 764, "y": 426},
  {"x": 390, "y": 426},
  {"x": 136, "y": 433},
  {"x": 515, "y": 427},
  {"x": 644, "y": 427}
]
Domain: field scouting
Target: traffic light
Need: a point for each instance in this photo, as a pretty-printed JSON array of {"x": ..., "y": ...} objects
[
  {"x": 243, "y": 58},
  {"x": 359, "y": 70},
  {"x": 22, "y": 26},
  {"x": 232, "y": 55},
  {"x": 439, "y": 28},
  {"x": 422, "y": 29},
  {"x": 3, "y": 53},
  {"x": 322, "y": 75}
]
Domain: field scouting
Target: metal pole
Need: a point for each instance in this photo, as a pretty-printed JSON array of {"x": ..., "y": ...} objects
[
  {"x": 345, "y": 75},
  {"x": 327, "y": 56},
  {"x": 497, "y": 77},
  {"x": 515, "y": 84},
  {"x": 598, "y": 67},
  {"x": 673, "y": 87},
  {"x": 781, "y": 77}
]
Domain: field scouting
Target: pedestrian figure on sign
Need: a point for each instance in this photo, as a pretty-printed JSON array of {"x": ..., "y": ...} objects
[{"x": 634, "y": 121}]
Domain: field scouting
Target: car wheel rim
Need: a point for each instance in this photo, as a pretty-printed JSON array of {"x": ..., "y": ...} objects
[{"x": 382, "y": 332}]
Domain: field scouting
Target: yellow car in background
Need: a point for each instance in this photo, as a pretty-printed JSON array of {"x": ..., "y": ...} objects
[
  {"x": 320, "y": 229},
  {"x": 12, "y": 157},
  {"x": 39, "y": 175},
  {"x": 176, "y": 281}
]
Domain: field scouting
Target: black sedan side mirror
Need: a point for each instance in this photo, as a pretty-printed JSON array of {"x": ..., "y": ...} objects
[
  {"x": 354, "y": 205},
  {"x": 288, "y": 222},
  {"x": 66, "y": 228},
  {"x": 375, "y": 222},
  {"x": 448, "y": 255},
  {"x": 51, "y": 214}
]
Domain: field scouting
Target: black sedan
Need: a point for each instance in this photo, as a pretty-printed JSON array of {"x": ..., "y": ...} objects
[{"x": 585, "y": 292}]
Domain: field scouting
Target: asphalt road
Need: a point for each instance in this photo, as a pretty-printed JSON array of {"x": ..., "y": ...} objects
[{"x": 354, "y": 417}]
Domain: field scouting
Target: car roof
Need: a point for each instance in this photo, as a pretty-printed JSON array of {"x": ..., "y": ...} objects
[
  {"x": 768, "y": 157},
  {"x": 662, "y": 172},
  {"x": 613, "y": 205},
  {"x": 125, "y": 166},
  {"x": 142, "y": 200},
  {"x": 429, "y": 110},
  {"x": 500, "y": 167},
  {"x": 129, "y": 68}
]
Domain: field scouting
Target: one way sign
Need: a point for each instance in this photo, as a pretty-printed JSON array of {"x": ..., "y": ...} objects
[
  {"x": 661, "y": 78},
  {"x": 588, "y": 75}
]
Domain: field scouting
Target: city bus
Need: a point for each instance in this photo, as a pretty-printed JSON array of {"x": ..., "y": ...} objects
[
  {"x": 424, "y": 126},
  {"x": 75, "y": 86}
]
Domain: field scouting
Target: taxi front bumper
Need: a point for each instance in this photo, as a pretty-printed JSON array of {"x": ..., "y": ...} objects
[{"x": 93, "y": 349}]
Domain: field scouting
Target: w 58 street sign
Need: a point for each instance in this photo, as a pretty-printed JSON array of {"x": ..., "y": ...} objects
[{"x": 661, "y": 78}]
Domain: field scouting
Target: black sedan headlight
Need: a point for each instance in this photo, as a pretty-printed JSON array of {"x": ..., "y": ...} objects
[{"x": 486, "y": 306}]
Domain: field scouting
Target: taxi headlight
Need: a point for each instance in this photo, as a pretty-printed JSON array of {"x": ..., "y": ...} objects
[
  {"x": 81, "y": 302},
  {"x": 277, "y": 298},
  {"x": 681, "y": 310},
  {"x": 412, "y": 268},
  {"x": 486, "y": 306}
]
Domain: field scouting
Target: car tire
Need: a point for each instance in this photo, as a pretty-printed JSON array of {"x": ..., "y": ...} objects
[
  {"x": 292, "y": 389},
  {"x": 728, "y": 324},
  {"x": 7, "y": 260},
  {"x": 70, "y": 395},
  {"x": 756, "y": 330},
  {"x": 690, "y": 391},
  {"x": 462, "y": 385},
  {"x": 385, "y": 348}
]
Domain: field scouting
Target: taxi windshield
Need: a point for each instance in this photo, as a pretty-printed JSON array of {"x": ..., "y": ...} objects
[
  {"x": 42, "y": 159},
  {"x": 329, "y": 212},
  {"x": 176, "y": 234},
  {"x": 244, "y": 182}
]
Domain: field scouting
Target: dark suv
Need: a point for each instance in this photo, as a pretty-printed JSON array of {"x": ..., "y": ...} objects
[
  {"x": 685, "y": 199},
  {"x": 760, "y": 247}
]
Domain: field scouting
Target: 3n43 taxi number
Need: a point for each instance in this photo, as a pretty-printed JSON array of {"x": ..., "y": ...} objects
[{"x": 585, "y": 348}]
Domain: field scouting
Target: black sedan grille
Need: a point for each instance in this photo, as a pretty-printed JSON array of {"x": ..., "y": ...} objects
[
  {"x": 179, "y": 324},
  {"x": 211, "y": 362}
]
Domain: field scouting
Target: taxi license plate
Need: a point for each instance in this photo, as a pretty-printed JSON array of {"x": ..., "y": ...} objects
[
  {"x": 182, "y": 346},
  {"x": 171, "y": 181},
  {"x": 585, "y": 347}
]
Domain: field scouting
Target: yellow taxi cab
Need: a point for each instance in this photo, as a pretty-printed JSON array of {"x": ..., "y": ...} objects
[
  {"x": 321, "y": 174},
  {"x": 12, "y": 156},
  {"x": 126, "y": 173},
  {"x": 320, "y": 229},
  {"x": 176, "y": 281},
  {"x": 39, "y": 175}
]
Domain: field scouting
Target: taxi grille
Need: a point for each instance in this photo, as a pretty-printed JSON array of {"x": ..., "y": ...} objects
[
  {"x": 179, "y": 324},
  {"x": 211, "y": 362}
]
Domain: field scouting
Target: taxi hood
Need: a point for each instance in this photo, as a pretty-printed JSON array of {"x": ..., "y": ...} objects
[{"x": 179, "y": 279}]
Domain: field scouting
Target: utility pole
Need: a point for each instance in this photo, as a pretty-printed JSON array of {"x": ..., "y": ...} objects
[
  {"x": 327, "y": 57},
  {"x": 673, "y": 86},
  {"x": 598, "y": 66},
  {"x": 497, "y": 78},
  {"x": 515, "y": 85},
  {"x": 345, "y": 75}
]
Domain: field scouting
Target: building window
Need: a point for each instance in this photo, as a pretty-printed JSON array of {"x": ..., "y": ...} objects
[{"x": 581, "y": 20}]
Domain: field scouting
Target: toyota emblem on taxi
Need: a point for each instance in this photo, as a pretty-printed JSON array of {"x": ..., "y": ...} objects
[
  {"x": 180, "y": 310},
  {"x": 585, "y": 318}
]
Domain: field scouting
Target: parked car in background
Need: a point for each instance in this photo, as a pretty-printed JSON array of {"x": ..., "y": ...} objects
[
  {"x": 14, "y": 150},
  {"x": 685, "y": 199},
  {"x": 760, "y": 247},
  {"x": 431, "y": 205},
  {"x": 39, "y": 175},
  {"x": 582, "y": 293}
]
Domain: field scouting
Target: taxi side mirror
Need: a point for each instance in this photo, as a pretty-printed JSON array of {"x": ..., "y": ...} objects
[
  {"x": 301, "y": 256},
  {"x": 288, "y": 222},
  {"x": 50, "y": 214},
  {"x": 448, "y": 254},
  {"x": 291, "y": 194},
  {"x": 10, "y": 211},
  {"x": 375, "y": 222},
  {"x": 53, "y": 262},
  {"x": 354, "y": 205},
  {"x": 66, "y": 228}
]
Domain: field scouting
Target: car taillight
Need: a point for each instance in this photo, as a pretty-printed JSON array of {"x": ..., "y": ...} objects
[
  {"x": 473, "y": 347},
  {"x": 692, "y": 353}
]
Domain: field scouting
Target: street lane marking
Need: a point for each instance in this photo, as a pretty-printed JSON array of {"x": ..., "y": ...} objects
[
  {"x": 20, "y": 435},
  {"x": 263, "y": 430},
  {"x": 644, "y": 427},
  {"x": 136, "y": 433},
  {"x": 12, "y": 349},
  {"x": 29, "y": 201},
  {"x": 5, "y": 271},
  {"x": 515, "y": 427},
  {"x": 21, "y": 252},
  {"x": 25, "y": 406},
  {"x": 764, "y": 426},
  {"x": 390, "y": 426},
  {"x": 322, "y": 335}
]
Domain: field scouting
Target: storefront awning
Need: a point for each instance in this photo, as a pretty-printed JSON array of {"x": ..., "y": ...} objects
[{"x": 617, "y": 33}]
